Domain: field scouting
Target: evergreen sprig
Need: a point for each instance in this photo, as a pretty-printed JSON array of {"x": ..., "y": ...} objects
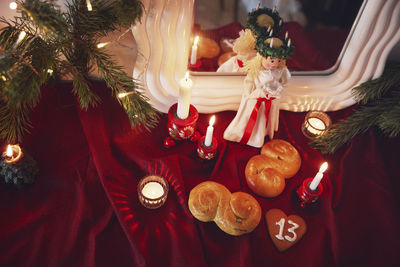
[
  {"x": 379, "y": 108},
  {"x": 66, "y": 44}
]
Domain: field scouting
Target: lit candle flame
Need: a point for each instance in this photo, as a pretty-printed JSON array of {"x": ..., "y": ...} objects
[
  {"x": 9, "y": 152},
  {"x": 13, "y": 5},
  {"x": 212, "y": 120},
  {"x": 323, "y": 167},
  {"x": 186, "y": 75},
  {"x": 196, "y": 40}
]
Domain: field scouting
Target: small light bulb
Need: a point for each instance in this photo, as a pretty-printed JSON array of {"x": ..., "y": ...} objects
[
  {"x": 13, "y": 5},
  {"x": 3, "y": 78},
  {"x": 50, "y": 71},
  {"x": 101, "y": 45},
  {"x": 89, "y": 5},
  {"x": 122, "y": 95}
]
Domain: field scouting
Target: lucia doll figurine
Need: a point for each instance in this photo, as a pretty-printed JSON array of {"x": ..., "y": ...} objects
[
  {"x": 244, "y": 47},
  {"x": 258, "y": 113},
  {"x": 260, "y": 21}
]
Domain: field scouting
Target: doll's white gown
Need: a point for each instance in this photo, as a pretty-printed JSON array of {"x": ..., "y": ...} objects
[{"x": 268, "y": 84}]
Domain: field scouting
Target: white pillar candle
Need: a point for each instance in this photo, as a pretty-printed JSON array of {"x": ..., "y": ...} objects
[
  {"x": 210, "y": 131},
  {"x": 286, "y": 35},
  {"x": 318, "y": 177},
  {"x": 193, "y": 57},
  {"x": 271, "y": 32},
  {"x": 153, "y": 190},
  {"x": 289, "y": 42},
  {"x": 316, "y": 126},
  {"x": 185, "y": 93},
  {"x": 271, "y": 44}
]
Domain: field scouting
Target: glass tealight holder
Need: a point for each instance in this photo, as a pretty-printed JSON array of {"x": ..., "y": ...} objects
[
  {"x": 153, "y": 191},
  {"x": 316, "y": 123}
]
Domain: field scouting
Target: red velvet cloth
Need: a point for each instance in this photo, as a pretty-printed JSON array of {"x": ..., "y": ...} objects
[{"x": 84, "y": 210}]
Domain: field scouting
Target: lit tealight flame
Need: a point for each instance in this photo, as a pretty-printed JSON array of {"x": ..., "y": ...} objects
[
  {"x": 186, "y": 75},
  {"x": 13, "y": 153},
  {"x": 212, "y": 120},
  {"x": 89, "y": 5},
  {"x": 9, "y": 152},
  {"x": 323, "y": 167},
  {"x": 196, "y": 41},
  {"x": 13, "y": 5},
  {"x": 101, "y": 45}
]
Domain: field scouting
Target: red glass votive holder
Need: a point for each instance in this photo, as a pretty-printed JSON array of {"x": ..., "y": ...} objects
[
  {"x": 207, "y": 152},
  {"x": 307, "y": 195},
  {"x": 181, "y": 129},
  {"x": 157, "y": 198}
]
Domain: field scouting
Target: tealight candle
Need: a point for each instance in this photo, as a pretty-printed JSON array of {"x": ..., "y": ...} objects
[
  {"x": 153, "y": 191},
  {"x": 318, "y": 177},
  {"x": 193, "y": 57},
  {"x": 185, "y": 93},
  {"x": 13, "y": 154},
  {"x": 316, "y": 123},
  {"x": 210, "y": 130}
]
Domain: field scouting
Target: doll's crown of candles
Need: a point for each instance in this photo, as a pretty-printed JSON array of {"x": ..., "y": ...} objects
[
  {"x": 262, "y": 20},
  {"x": 274, "y": 47}
]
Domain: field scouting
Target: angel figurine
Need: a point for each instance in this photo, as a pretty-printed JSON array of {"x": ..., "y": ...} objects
[
  {"x": 267, "y": 74},
  {"x": 244, "y": 49},
  {"x": 259, "y": 22}
]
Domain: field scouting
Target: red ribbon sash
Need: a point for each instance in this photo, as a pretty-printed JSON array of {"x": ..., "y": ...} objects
[
  {"x": 240, "y": 63},
  {"x": 253, "y": 117}
]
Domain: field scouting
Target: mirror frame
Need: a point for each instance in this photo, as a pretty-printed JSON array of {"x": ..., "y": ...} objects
[{"x": 163, "y": 40}]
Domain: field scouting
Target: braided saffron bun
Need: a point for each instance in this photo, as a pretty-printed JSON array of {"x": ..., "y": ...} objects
[
  {"x": 236, "y": 214},
  {"x": 266, "y": 173}
]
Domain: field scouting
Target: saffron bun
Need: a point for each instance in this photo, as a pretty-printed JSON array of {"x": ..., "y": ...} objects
[
  {"x": 207, "y": 48},
  {"x": 266, "y": 173},
  {"x": 235, "y": 214}
]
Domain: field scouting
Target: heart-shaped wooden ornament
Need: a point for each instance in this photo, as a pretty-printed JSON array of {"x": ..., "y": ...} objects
[{"x": 285, "y": 231}]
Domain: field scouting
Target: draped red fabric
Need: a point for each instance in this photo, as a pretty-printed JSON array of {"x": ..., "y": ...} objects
[{"x": 84, "y": 210}]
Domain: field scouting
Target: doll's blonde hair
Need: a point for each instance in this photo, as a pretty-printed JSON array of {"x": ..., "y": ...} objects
[
  {"x": 253, "y": 66},
  {"x": 245, "y": 43}
]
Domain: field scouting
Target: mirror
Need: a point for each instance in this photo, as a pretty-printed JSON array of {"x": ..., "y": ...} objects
[
  {"x": 164, "y": 38},
  {"x": 316, "y": 27}
]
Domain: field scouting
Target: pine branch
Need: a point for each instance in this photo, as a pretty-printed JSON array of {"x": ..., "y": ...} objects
[
  {"x": 14, "y": 123},
  {"x": 375, "y": 89},
  {"x": 61, "y": 44},
  {"x": 381, "y": 109},
  {"x": 139, "y": 111}
]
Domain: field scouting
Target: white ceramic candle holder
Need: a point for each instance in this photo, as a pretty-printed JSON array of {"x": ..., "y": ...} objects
[
  {"x": 315, "y": 124},
  {"x": 153, "y": 202}
]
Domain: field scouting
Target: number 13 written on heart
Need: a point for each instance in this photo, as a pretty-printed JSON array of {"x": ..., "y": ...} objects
[{"x": 291, "y": 230}]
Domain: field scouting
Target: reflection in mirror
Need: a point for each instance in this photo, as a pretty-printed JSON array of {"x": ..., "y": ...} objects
[{"x": 317, "y": 28}]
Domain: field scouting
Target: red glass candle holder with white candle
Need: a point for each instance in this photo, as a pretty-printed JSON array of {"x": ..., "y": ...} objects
[
  {"x": 182, "y": 116},
  {"x": 311, "y": 188},
  {"x": 207, "y": 145},
  {"x": 153, "y": 191},
  {"x": 17, "y": 167}
]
